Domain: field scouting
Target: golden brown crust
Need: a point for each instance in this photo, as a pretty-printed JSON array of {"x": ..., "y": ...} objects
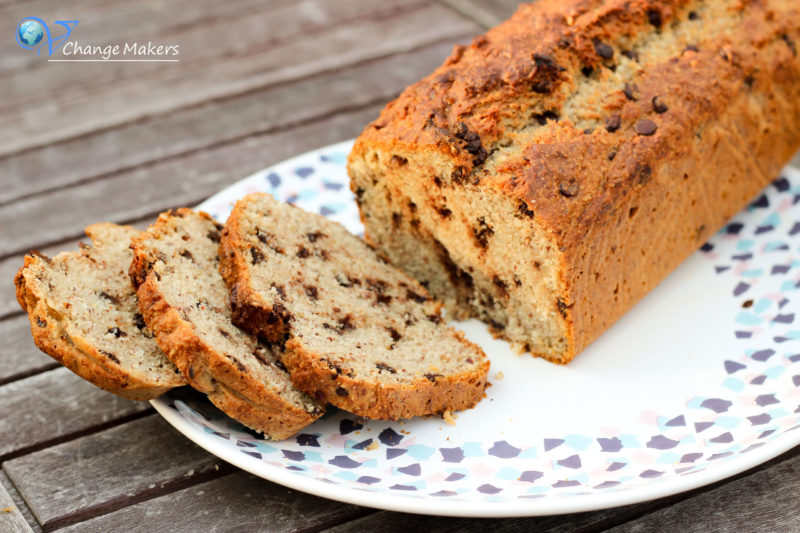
[
  {"x": 251, "y": 311},
  {"x": 368, "y": 398},
  {"x": 700, "y": 133},
  {"x": 75, "y": 352},
  {"x": 235, "y": 392}
]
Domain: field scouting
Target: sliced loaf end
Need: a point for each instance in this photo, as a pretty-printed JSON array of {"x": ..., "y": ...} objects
[{"x": 83, "y": 313}]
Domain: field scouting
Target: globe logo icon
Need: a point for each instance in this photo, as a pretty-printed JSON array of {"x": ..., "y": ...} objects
[{"x": 30, "y": 32}]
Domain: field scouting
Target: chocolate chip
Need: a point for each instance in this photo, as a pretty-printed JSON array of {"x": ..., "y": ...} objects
[
  {"x": 110, "y": 298},
  {"x": 497, "y": 326},
  {"x": 302, "y": 252},
  {"x": 612, "y": 154},
  {"x": 312, "y": 292},
  {"x": 659, "y": 106},
  {"x": 501, "y": 285},
  {"x": 256, "y": 256},
  {"x": 433, "y": 377},
  {"x": 109, "y": 355},
  {"x": 587, "y": 71},
  {"x": 790, "y": 43},
  {"x": 213, "y": 235},
  {"x": 138, "y": 321},
  {"x": 631, "y": 54},
  {"x": 568, "y": 188},
  {"x": 345, "y": 323},
  {"x": 437, "y": 181},
  {"x": 613, "y": 122},
  {"x": 630, "y": 91},
  {"x": 359, "y": 192},
  {"x": 654, "y": 17},
  {"x": 412, "y": 206},
  {"x": 547, "y": 75},
  {"x": 187, "y": 255},
  {"x": 41, "y": 323},
  {"x": 444, "y": 212},
  {"x": 472, "y": 143},
  {"x": 341, "y": 391},
  {"x": 224, "y": 333},
  {"x": 524, "y": 210},
  {"x": 117, "y": 332},
  {"x": 279, "y": 289},
  {"x": 646, "y": 127},
  {"x": 268, "y": 239},
  {"x": 394, "y": 334},
  {"x": 562, "y": 307},
  {"x": 411, "y": 295},
  {"x": 542, "y": 118},
  {"x": 603, "y": 50},
  {"x": 384, "y": 366},
  {"x": 691, "y": 48},
  {"x": 749, "y": 80},
  {"x": 747, "y": 303},
  {"x": 588, "y": 131},
  {"x": 313, "y": 236},
  {"x": 482, "y": 233},
  {"x": 399, "y": 161},
  {"x": 693, "y": 15},
  {"x": 396, "y": 219},
  {"x": 436, "y": 319}
]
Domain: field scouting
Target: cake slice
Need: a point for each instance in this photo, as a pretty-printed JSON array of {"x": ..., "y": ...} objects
[
  {"x": 185, "y": 303},
  {"x": 358, "y": 333},
  {"x": 84, "y": 314}
]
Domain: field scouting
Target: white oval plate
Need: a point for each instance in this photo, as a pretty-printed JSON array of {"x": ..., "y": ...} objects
[{"x": 700, "y": 381}]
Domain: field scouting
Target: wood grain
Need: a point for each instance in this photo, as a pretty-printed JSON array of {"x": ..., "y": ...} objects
[
  {"x": 55, "y": 406},
  {"x": 11, "y": 518},
  {"x": 383, "y": 28},
  {"x": 764, "y": 502},
  {"x": 105, "y": 471},
  {"x": 487, "y": 13},
  {"x": 19, "y": 502},
  {"x": 180, "y": 181},
  {"x": 19, "y": 356},
  {"x": 237, "y": 502},
  {"x": 198, "y": 127}
]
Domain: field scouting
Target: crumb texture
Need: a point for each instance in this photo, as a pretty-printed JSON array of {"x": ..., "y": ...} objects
[
  {"x": 186, "y": 304},
  {"x": 84, "y": 313},
  {"x": 359, "y": 333}
]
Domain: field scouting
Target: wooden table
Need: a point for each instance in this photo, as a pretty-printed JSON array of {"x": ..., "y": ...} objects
[{"x": 257, "y": 82}]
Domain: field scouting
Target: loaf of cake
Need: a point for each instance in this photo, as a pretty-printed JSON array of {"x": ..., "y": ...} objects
[
  {"x": 551, "y": 173},
  {"x": 85, "y": 315},
  {"x": 358, "y": 333},
  {"x": 185, "y": 303}
]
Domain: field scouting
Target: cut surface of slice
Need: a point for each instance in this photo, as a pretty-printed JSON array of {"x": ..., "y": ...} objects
[
  {"x": 84, "y": 313},
  {"x": 359, "y": 333},
  {"x": 185, "y": 303}
]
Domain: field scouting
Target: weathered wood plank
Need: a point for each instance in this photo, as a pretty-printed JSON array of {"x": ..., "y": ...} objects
[
  {"x": 53, "y": 406},
  {"x": 105, "y": 471},
  {"x": 239, "y": 502},
  {"x": 765, "y": 501},
  {"x": 186, "y": 180},
  {"x": 487, "y": 13},
  {"x": 19, "y": 502},
  {"x": 198, "y": 127},
  {"x": 11, "y": 517},
  {"x": 19, "y": 356},
  {"x": 380, "y": 31}
]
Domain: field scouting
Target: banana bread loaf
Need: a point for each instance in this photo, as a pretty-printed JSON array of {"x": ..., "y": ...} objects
[
  {"x": 548, "y": 175},
  {"x": 359, "y": 333}
]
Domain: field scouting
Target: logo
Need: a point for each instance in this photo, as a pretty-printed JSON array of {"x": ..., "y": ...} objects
[{"x": 32, "y": 32}]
